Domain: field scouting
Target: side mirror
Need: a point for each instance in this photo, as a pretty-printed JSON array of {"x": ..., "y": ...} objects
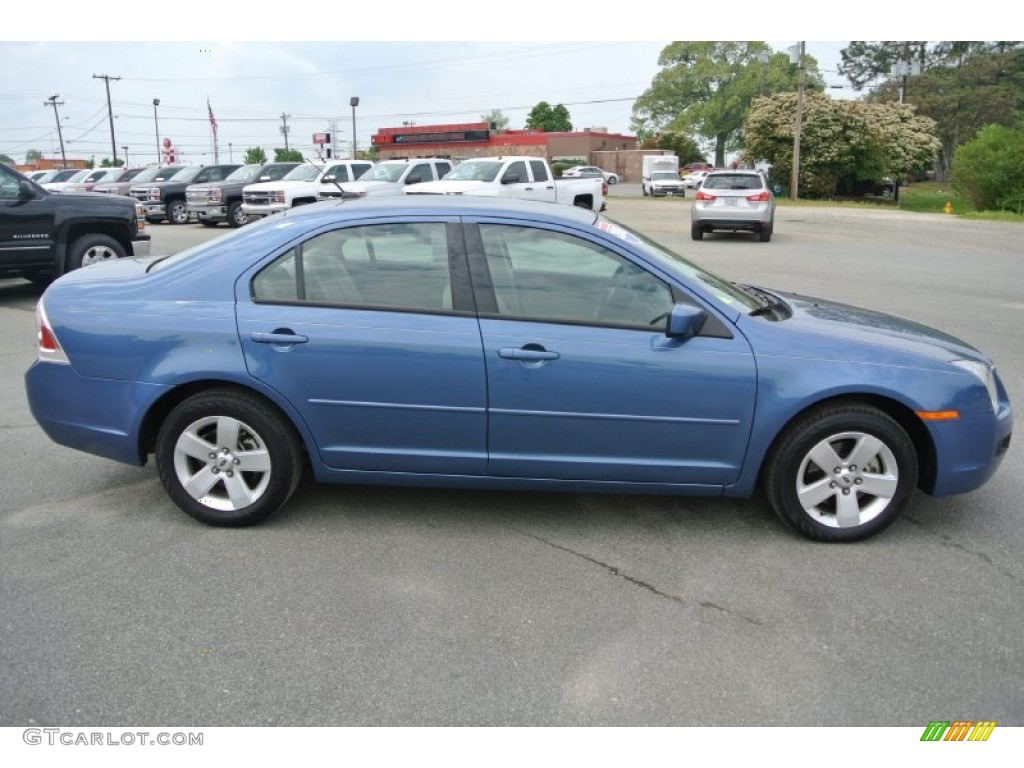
[
  {"x": 25, "y": 190},
  {"x": 327, "y": 179},
  {"x": 684, "y": 321},
  {"x": 510, "y": 178},
  {"x": 414, "y": 179}
]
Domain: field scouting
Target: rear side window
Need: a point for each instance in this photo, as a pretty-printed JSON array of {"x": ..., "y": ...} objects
[
  {"x": 358, "y": 169},
  {"x": 540, "y": 170},
  {"x": 395, "y": 266}
]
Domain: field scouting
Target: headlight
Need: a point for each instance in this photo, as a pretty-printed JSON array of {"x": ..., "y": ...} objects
[
  {"x": 216, "y": 195},
  {"x": 985, "y": 374},
  {"x": 154, "y": 193},
  {"x": 277, "y": 197}
]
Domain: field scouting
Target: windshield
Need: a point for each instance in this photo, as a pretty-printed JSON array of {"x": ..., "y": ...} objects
[
  {"x": 303, "y": 173},
  {"x": 148, "y": 174},
  {"x": 475, "y": 170},
  {"x": 186, "y": 174},
  {"x": 721, "y": 289},
  {"x": 665, "y": 175},
  {"x": 385, "y": 172},
  {"x": 245, "y": 173},
  {"x": 112, "y": 175}
]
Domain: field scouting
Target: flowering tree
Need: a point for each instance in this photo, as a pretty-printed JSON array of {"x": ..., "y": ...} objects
[{"x": 842, "y": 142}]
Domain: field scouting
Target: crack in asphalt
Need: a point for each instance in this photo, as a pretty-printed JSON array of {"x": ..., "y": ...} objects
[
  {"x": 614, "y": 571},
  {"x": 947, "y": 541}
]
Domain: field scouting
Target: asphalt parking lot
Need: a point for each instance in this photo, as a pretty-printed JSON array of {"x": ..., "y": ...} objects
[{"x": 387, "y": 606}]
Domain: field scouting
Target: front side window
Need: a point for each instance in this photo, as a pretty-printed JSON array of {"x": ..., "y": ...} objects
[
  {"x": 9, "y": 183},
  {"x": 550, "y": 276},
  {"x": 516, "y": 171},
  {"x": 338, "y": 172},
  {"x": 395, "y": 266}
]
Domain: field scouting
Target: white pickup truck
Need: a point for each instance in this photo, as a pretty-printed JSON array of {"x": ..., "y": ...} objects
[
  {"x": 390, "y": 177},
  {"x": 529, "y": 178},
  {"x": 299, "y": 186}
]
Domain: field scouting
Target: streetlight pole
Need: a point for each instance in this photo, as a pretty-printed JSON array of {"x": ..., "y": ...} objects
[
  {"x": 125, "y": 148},
  {"x": 794, "y": 191},
  {"x": 156, "y": 125},
  {"x": 354, "y": 102}
]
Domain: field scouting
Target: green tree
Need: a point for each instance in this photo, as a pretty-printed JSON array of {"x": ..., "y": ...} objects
[
  {"x": 6, "y": 160},
  {"x": 681, "y": 145},
  {"x": 842, "y": 142},
  {"x": 254, "y": 155},
  {"x": 497, "y": 119},
  {"x": 547, "y": 118},
  {"x": 963, "y": 85},
  {"x": 287, "y": 155},
  {"x": 31, "y": 155},
  {"x": 706, "y": 88},
  {"x": 106, "y": 162},
  {"x": 989, "y": 169}
]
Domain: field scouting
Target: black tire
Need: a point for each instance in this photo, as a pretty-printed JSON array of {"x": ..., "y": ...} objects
[
  {"x": 91, "y": 249},
  {"x": 252, "y": 431},
  {"x": 885, "y": 463},
  {"x": 613, "y": 179},
  {"x": 696, "y": 231},
  {"x": 177, "y": 212},
  {"x": 643, "y": 188},
  {"x": 208, "y": 223},
  {"x": 765, "y": 234},
  {"x": 236, "y": 216}
]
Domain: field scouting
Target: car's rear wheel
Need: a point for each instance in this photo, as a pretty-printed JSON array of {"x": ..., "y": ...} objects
[
  {"x": 765, "y": 233},
  {"x": 696, "y": 231},
  {"x": 841, "y": 473},
  {"x": 227, "y": 458}
]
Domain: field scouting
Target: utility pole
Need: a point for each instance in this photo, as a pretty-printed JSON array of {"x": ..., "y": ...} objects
[
  {"x": 110, "y": 112},
  {"x": 156, "y": 126},
  {"x": 794, "y": 191},
  {"x": 54, "y": 103},
  {"x": 334, "y": 137},
  {"x": 284, "y": 129}
]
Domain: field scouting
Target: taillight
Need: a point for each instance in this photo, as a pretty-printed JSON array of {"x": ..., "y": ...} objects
[
  {"x": 604, "y": 188},
  {"x": 49, "y": 347},
  {"x": 702, "y": 195},
  {"x": 763, "y": 197}
]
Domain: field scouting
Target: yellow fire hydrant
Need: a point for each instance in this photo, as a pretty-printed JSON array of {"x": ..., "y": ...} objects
[{"x": 948, "y": 208}]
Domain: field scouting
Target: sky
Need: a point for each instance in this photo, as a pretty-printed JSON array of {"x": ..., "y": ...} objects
[{"x": 421, "y": 75}]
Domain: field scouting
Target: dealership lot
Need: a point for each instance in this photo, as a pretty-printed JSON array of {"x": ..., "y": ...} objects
[{"x": 365, "y": 606}]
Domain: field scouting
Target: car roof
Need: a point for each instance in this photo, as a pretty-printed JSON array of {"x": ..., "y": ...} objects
[{"x": 446, "y": 205}]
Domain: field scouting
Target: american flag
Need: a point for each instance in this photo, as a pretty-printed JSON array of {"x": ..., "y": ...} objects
[{"x": 213, "y": 120}]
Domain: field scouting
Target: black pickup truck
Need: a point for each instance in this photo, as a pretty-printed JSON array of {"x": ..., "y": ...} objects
[
  {"x": 43, "y": 235},
  {"x": 166, "y": 199},
  {"x": 216, "y": 201}
]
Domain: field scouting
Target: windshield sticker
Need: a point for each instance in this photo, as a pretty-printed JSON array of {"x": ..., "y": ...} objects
[{"x": 616, "y": 231}]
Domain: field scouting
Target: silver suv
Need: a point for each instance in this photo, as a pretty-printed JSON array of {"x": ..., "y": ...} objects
[{"x": 733, "y": 200}]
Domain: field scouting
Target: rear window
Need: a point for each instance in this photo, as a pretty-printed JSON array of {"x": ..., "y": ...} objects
[{"x": 734, "y": 181}]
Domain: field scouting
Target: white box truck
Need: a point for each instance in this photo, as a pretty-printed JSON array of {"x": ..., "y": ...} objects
[{"x": 661, "y": 176}]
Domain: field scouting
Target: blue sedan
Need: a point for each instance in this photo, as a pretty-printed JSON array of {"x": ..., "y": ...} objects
[{"x": 481, "y": 343}]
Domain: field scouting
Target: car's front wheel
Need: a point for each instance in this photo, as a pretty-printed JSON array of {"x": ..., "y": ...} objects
[
  {"x": 92, "y": 249},
  {"x": 227, "y": 458},
  {"x": 841, "y": 473},
  {"x": 177, "y": 212},
  {"x": 236, "y": 216}
]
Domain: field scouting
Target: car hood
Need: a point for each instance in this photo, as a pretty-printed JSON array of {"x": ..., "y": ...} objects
[
  {"x": 833, "y": 330},
  {"x": 449, "y": 187},
  {"x": 373, "y": 188},
  {"x": 269, "y": 186}
]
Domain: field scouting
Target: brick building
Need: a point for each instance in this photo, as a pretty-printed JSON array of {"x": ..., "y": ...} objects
[{"x": 461, "y": 140}]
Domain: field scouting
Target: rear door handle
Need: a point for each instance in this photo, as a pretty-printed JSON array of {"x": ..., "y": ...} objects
[
  {"x": 528, "y": 355},
  {"x": 278, "y": 337}
]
